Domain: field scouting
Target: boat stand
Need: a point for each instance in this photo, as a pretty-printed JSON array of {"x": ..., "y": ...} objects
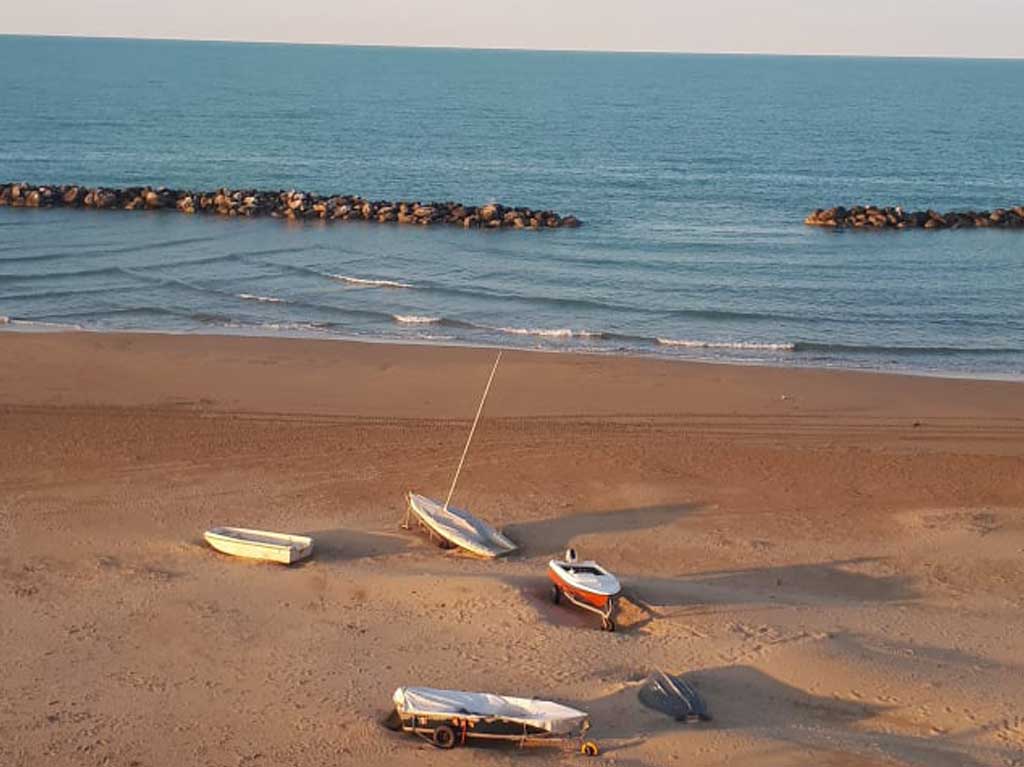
[{"x": 407, "y": 523}]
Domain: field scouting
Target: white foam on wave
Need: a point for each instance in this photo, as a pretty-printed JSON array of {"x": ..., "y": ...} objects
[
  {"x": 415, "y": 319},
  {"x": 542, "y": 332},
  {"x": 263, "y": 299},
  {"x": 434, "y": 337},
  {"x": 738, "y": 345},
  {"x": 301, "y": 327},
  {"x": 361, "y": 282},
  {"x": 551, "y": 332},
  {"x": 41, "y": 324},
  {"x": 4, "y": 319}
]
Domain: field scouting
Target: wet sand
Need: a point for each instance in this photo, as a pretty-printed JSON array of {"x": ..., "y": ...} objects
[{"x": 835, "y": 559}]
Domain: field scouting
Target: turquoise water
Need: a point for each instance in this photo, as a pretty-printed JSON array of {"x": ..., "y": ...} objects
[{"x": 693, "y": 175}]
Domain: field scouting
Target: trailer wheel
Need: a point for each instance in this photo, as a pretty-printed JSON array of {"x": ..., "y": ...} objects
[
  {"x": 556, "y": 594},
  {"x": 444, "y": 737},
  {"x": 608, "y": 624},
  {"x": 589, "y": 748}
]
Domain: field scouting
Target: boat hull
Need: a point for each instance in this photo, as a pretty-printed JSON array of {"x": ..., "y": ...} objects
[
  {"x": 601, "y": 602},
  {"x": 459, "y": 528},
  {"x": 262, "y": 545}
]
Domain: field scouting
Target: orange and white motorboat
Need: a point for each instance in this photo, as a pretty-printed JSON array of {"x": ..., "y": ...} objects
[{"x": 586, "y": 585}]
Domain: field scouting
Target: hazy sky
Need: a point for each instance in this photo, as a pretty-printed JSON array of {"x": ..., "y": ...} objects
[{"x": 982, "y": 28}]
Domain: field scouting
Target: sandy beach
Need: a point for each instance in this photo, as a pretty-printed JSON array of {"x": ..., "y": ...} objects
[{"x": 835, "y": 559}]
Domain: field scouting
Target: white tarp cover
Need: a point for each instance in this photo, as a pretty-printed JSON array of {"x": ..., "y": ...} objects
[
  {"x": 542, "y": 714},
  {"x": 460, "y": 527}
]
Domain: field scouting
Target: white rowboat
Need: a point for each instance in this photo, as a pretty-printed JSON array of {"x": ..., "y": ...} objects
[{"x": 259, "y": 544}]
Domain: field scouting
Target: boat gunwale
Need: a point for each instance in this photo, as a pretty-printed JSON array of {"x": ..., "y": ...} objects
[
  {"x": 502, "y": 544},
  {"x": 557, "y": 567},
  {"x": 295, "y": 543}
]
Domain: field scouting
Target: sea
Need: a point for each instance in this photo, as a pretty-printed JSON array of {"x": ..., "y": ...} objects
[{"x": 692, "y": 174}]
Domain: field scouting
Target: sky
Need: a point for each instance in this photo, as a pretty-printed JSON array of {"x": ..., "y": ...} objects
[{"x": 953, "y": 28}]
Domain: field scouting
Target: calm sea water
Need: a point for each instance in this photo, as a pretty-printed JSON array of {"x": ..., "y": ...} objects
[{"x": 693, "y": 175}]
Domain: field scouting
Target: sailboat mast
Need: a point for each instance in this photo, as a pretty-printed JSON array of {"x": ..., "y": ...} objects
[{"x": 472, "y": 431}]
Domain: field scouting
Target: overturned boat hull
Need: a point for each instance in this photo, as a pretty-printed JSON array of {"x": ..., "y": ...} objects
[{"x": 674, "y": 696}]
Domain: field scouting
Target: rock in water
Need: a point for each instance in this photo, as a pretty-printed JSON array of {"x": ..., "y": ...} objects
[
  {"x": 870, "y": 216},
  {"x": 292, "y": 204}
]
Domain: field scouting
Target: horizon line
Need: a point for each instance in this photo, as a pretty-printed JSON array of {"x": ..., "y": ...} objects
[{"x": 506, "y": 49}]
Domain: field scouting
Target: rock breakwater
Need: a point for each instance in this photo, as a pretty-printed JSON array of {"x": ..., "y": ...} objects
[
  {"x": 290, "y": 204},
  {"x": 871, "y": 217}
]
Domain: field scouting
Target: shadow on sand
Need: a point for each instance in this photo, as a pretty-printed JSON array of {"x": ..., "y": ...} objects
[
  {"x": 848, "y": 580},
  {"x": 548, "y": 537},
  {"x": 745, "y": 698},
  {"x": 343, "y": 545},
  {"x": 901, "y": 654}
]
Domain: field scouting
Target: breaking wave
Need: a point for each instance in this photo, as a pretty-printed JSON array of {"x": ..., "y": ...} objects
[
  {"x": 687, "y": 343},
  {"x": 808, "y": 346},
  {"x": 38, "y": 324},
  {"x": 552, "y": 332},
  {"x": 262, "y": 299},
  {"x": 296, "y": 327},
  {"x": 415, "y": 319},
  {"x": 362, "y": 282}
]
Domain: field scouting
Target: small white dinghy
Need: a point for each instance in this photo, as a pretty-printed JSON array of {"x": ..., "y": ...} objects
[
  {"x": 259, "y": 544},
  {"x": 459, "y": 528}
]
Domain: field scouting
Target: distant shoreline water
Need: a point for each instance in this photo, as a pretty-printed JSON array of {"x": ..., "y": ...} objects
[
  {"x": 499, "y": 50},
  {"x": 11, "y": 326},
  {"x": 694, "y": 175}
]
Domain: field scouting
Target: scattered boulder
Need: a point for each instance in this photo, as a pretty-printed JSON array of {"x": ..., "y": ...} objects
[{"x": 490, "y": 212}]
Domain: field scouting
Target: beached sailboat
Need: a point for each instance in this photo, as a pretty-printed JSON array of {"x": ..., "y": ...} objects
[
  {"x": 448, "y": 718},
  {"x": 586, "y": 585},
  {"x": 457, "y": 527},
  {"x": 259, "y": 544}
]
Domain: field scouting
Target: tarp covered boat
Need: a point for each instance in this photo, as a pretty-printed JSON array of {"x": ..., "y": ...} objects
[
  {"x": 674, "y": 696},
  {"x": 459, "y": 528},
  {"x": 451, "y": 717},
  {"x": 259, "y": 544}
]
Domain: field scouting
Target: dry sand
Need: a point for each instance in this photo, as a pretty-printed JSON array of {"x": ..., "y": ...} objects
[{"x": 836, "y": 559}]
